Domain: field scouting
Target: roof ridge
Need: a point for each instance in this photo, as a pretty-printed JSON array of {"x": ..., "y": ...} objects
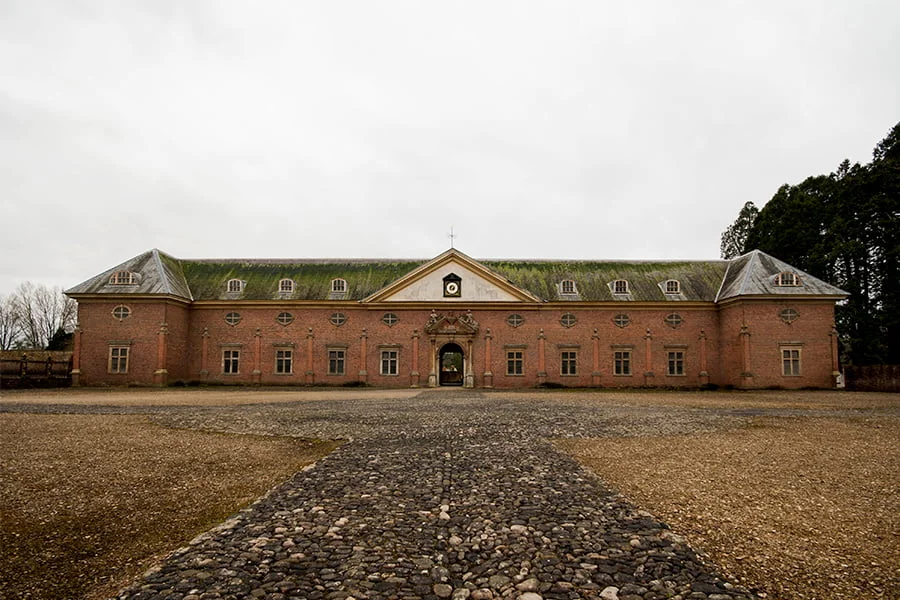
[
  {"x": 162, "y": 271},
  {"x": 754, "y": 257}
]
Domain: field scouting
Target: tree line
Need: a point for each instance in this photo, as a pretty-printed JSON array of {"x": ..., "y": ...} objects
[
  {"x": 843, "y": 228},
  {"x": 36, "y": 317}
]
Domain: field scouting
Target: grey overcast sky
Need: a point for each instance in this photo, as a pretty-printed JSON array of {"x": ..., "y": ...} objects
[{"x": 558, "y": 129}]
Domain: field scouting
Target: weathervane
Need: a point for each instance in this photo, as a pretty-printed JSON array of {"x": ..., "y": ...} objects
[{"x": 452, "y": 236}]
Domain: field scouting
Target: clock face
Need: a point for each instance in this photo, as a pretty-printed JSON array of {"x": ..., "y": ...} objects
[{"x": 451, "y": 288}]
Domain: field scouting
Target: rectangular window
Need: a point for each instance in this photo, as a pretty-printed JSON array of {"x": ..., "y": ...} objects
[
  {"x": 790, "y": 361},
  {"x": 231, "y": 361},
  {"x": 569, "y": 363},
  {"x": 284, "y": 361},
  {"x": 515, "y": 362},
  {"x": 388, "y": 362},
  {"x": 622, "y": 359},
  {"x": 676, "y": 363},
  {"x": 336, "y": 362},
  {"x": 118, "y": 359}
]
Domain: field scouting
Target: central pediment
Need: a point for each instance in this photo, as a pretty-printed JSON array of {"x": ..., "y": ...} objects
[{"x": 452, "y": 277}]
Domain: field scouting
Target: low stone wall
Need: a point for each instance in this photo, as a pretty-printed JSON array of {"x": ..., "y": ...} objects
[
  {"x": 35, "y": 368},
  {"x": 873, "y": 378}
]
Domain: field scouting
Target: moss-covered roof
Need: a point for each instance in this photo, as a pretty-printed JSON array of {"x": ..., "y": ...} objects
[
  {"x": 699, "y": 280},
  {"x": 312, "y": 278},
  {"x": 207, "y": 279}
]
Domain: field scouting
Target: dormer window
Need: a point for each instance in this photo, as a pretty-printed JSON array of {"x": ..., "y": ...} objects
[
  {"x": 673, "y": 286},
  {"x": 286, "y": 286},
  {"x": 620, "y": 286},
  {"x": 787, "y": 279},
  {"x": 567, "y": 286},
  {"x": 122, "y": 278},
  {"x": 338, "y": 286},
  {"x": 235, "y": 286}
]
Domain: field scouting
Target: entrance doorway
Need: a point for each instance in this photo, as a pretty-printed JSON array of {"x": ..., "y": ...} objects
[{"x": 451, "y": 365}]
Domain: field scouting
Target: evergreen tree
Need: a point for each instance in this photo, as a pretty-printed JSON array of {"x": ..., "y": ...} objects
[
  {"x": 843, "y": 228},
  {"x": 735, "y": 237}
]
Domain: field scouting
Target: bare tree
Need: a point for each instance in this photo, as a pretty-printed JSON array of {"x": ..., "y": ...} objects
[
  {"x": 42, "y": 311},
  {"x": 10, "y": 331}
]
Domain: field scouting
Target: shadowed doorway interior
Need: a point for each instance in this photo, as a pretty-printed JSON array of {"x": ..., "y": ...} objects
[{"x": 451, "y": 361}]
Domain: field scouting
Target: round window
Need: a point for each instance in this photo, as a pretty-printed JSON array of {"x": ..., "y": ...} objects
[
  {"x": 338, "y": 319},
  {"x": 121, "y": 312},
  {"x": 390, "y": 319},
  {"x": 622, "y": 320},
  {"x": 284, "y": 318},
  {"x": 567, "y": 320},
  {"x": 514, "y": 320},
  {"x": 674, "y": 320},
  {"x": 233, "y": 318},
  {"x": 789, "y": 315}
]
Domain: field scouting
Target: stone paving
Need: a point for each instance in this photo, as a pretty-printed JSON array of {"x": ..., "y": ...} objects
[{"x": 450, "y": 495}]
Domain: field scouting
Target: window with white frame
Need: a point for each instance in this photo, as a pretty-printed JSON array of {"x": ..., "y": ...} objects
[
  {"x": 234, "y": 286},
  {"x": 673, "y": 286},
  {"x": 338, "y": 286},
  {"x": 567, "y": 320},
  {"x": 390, "y": 319},
  {"x": 620, "y": 286},
  {"x": 286, "y": 286},
  {"x": 673, "y": 320},
  {"x": 122, "y": 278},
  {"x": 233, "y": 318},
  {"x": 790, "y": 362},
  {"x": 121, "y": 312},
  {"x": 515, "y": 362},
  {"x": 567, "y": 286},
  {"x": 389, "y": 362},
  {"x": 338, "y": 319},
  {"x": 284, "y": 362},
  {"x": 231, "y": 362},
  {"x": 786, "y": 278},
  {"x": 118, "y": 359},
  {"x": 336, "y": 359},
  {"x": 515, "y": 320},
  {"x": 622, "y": 362},
  {"x": 568, "y": 362},
  {"x": 789, "y": 315},
  {"x": 675, "y": 362},
  {"x": 284, "y": 318},
  {"x": 622, "y": 320}
]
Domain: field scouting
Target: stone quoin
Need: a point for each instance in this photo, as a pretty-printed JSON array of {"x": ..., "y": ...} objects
[{"x": 750, "y": 322}]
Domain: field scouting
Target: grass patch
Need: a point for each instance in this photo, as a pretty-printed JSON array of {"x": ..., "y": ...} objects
[{"x": 89, "y": 501}]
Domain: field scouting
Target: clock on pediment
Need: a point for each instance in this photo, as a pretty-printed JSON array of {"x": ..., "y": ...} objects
[{"x": 452, "y": 286}]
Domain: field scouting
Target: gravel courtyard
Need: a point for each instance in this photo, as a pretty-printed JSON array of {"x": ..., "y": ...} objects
[{"x": 458, "y": 494}]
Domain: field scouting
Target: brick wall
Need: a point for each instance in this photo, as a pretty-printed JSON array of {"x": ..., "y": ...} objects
[
  {"x": 259, "y": 335},
  {"x": 810, "y": 332}
]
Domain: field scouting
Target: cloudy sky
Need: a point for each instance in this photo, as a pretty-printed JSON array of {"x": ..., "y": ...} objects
[{"x": 367, "y": 129}]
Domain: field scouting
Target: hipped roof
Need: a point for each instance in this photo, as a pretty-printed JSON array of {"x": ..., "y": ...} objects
[{"x": 206, "y": 279}]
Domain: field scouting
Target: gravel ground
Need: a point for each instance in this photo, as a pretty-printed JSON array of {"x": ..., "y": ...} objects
[{"x": 452, "y": 493}]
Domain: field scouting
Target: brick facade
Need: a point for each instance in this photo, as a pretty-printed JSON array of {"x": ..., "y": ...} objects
[{"x": 169, "y": 337}]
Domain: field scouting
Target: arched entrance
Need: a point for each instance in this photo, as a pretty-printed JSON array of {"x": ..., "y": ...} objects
[{"x": 451, "y": 364}]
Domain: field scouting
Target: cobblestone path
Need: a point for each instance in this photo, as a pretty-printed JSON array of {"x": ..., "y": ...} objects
[{"x": 464, "y": 508}]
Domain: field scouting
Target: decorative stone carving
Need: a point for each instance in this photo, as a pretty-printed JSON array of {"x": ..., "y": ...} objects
[{"x": 450, "y": 324}]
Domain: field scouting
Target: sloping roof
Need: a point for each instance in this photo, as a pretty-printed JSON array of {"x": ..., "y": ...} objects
[
  {"x": 755, "y": 274},
  {"x": 700, "y": 281},
  {"x": 155, "y": 273},
  {"x": 312, "y": 278}
]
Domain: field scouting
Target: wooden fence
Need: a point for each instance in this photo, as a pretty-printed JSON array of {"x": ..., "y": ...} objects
[
  {"x": 19, "y": 369},
  {"x": 873, "y": 378}
]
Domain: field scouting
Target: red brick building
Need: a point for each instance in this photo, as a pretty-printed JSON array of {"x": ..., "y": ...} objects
[{"x": 749, "y": 322}]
